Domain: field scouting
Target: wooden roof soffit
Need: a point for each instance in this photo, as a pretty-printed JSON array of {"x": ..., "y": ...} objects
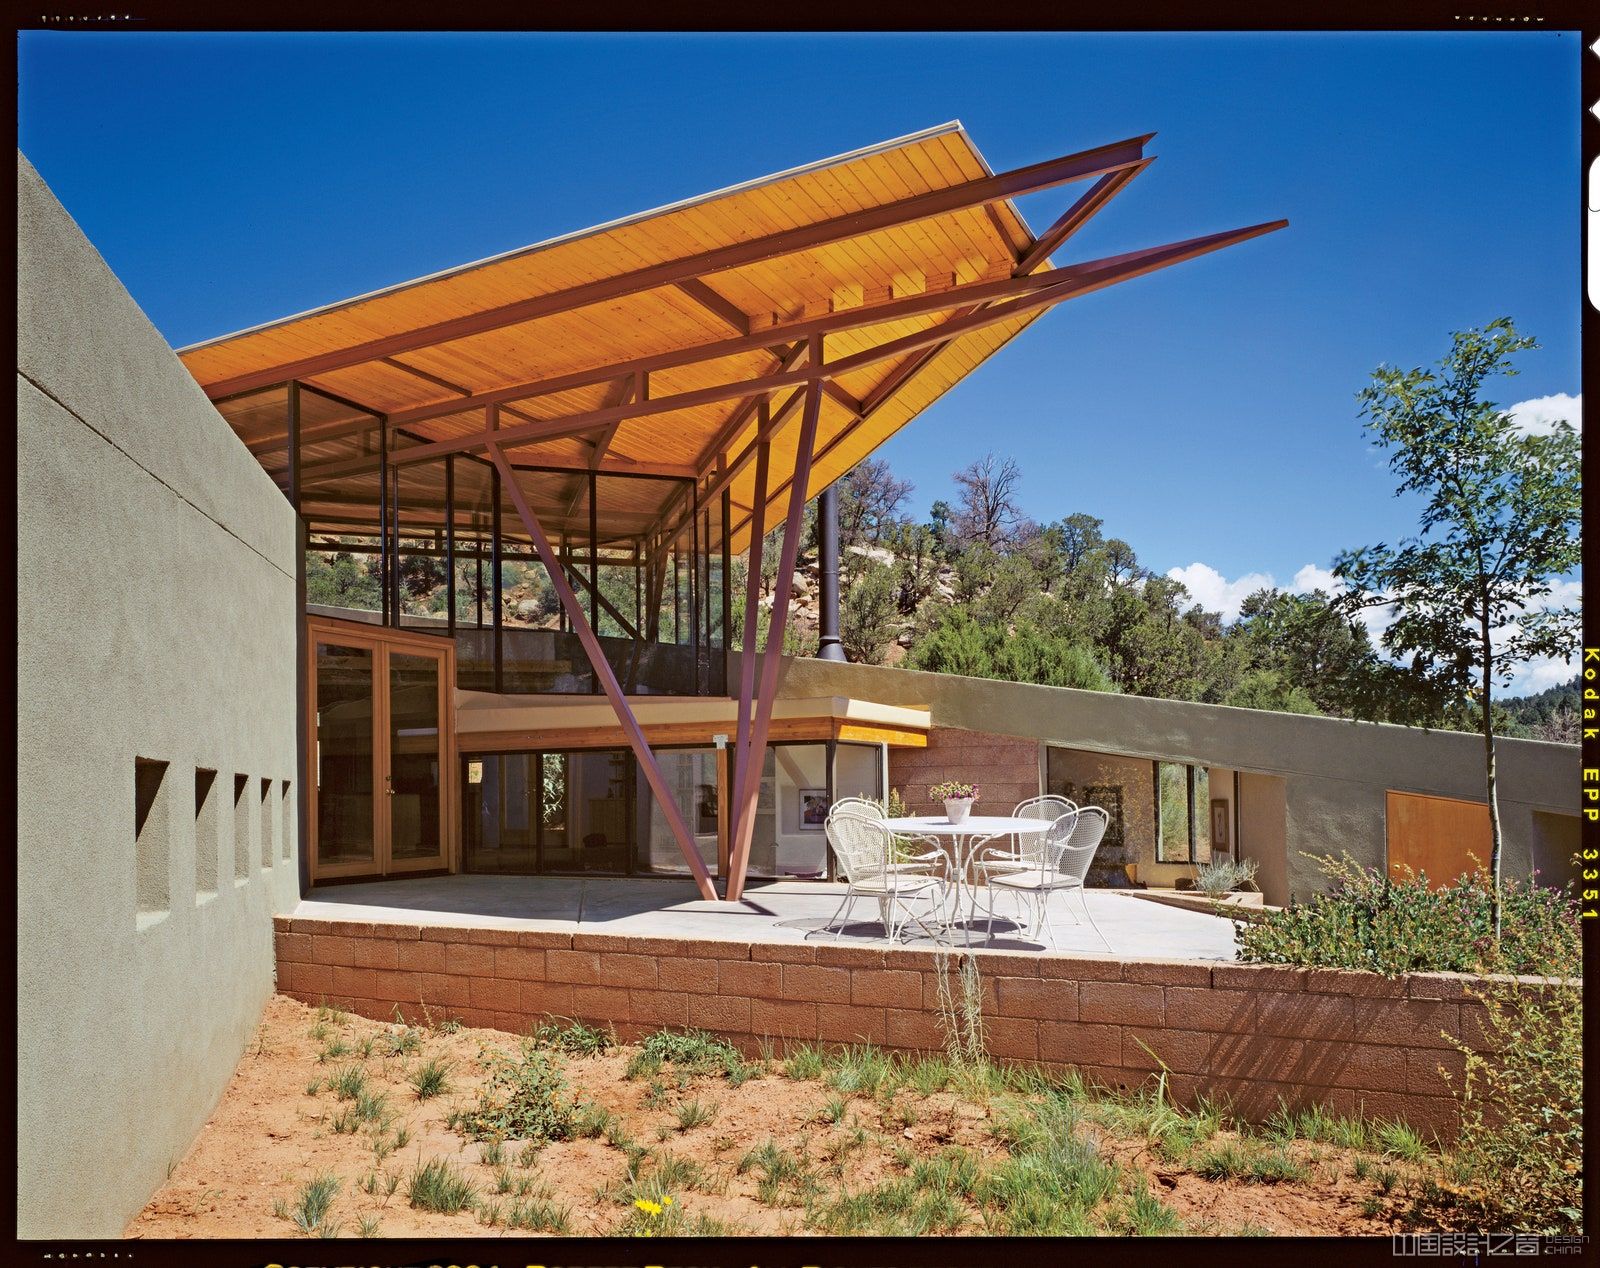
[{"x": 982, "y": 192}]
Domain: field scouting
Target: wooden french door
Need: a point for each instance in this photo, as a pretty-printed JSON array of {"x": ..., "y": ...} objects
[{"x": 382, "y": 757}]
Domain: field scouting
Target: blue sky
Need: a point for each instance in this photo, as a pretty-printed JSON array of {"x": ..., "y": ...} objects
[{"x": 1206, "y": 412}]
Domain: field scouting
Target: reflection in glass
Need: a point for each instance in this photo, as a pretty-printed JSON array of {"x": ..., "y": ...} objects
[
  {"x": 1200, "y": 810},
  {"x": 692, "y": 776},
  {"x": 1172, "y": 808},
  {"x": 344, "y": 754},
  {"x": 414, "y": 819},
  {"x": 551, "y": 812},
  {"x": 783, "y": 843}
]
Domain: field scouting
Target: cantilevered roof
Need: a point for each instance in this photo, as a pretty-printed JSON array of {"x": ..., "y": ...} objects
[{"x": 663, "y": 343}]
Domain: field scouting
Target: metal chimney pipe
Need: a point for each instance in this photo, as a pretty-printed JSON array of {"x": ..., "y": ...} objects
[{"x": 829, "y": 647}]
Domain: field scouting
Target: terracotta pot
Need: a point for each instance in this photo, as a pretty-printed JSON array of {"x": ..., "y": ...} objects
[{"x": 956, "y": 809}]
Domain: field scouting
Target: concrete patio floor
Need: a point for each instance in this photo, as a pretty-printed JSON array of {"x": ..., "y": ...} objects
[{"x": 779, "y": 911}]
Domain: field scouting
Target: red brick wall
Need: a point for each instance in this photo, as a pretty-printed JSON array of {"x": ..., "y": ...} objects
[
  {"x": 1254, "y": 1034},
  {"x": 1004, "y": 767}
]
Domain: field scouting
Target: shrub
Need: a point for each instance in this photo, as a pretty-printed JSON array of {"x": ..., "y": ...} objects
[
  {"x": 694, "y": 1051},
  {"x": 1521, "y": 1144},
  {"x": 313, "y": 1202},
  {"x": 575, "y": 1039},
  {"x": 431, "y": 1079},
  {"x": 1388, "y": 925},
  {"x": 867, "y": 614},
  {"x": 438, "y": 1186},
  {"x": 1222, "y": 876},
  {"x": 526, "y": 1099}
]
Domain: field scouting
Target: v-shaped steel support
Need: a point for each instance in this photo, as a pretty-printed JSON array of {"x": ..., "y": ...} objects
[
  {"x": 754, "y": 746},
  {"x": 608, "y": 678}
]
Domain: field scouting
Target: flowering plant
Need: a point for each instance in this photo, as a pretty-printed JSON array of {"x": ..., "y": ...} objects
[
  {"x": 954, "y": 790},
  {"x": 653, "y": 1223}
]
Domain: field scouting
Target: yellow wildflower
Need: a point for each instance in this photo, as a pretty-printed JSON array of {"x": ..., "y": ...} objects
[{"x": 647, "y": 1206}]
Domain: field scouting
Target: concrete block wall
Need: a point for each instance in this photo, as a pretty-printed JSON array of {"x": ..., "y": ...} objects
[
  {"x": 156, "y": 639},
  {"x": 1005, "y": 767},
  {"x": 1259, "y": 1035}
]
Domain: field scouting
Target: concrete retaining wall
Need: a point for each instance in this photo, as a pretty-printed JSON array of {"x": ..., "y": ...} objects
[
  {"x": 156, "y": 614},
  {"x": 1260, "y": 1035}
]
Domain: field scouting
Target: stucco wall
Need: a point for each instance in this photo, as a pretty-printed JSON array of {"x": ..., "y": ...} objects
[
  {"x": 155, "y": 605},
  {"x": 1335, "y": 772}
]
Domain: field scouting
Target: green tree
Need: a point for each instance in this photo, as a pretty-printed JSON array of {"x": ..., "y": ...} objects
[
  {"x": 1266, "y": 689},
  {"x": 867, "y": 611},
  {"x": 916, "y": 565},
  {"x": 1311, "y": 645},
  {"x": 870, "y": 503},
  {"x": 1498, "y": 526},
  {"x": 958, "y": 643},
  {"x": 1080, "y": 539},
  {"x": 339, "y": 579}
]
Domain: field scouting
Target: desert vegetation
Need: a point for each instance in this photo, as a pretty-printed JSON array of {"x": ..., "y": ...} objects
[{"x": 439, "y": 1129}]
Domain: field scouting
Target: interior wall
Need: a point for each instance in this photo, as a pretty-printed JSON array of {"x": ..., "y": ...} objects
[
  {"x": 1557, "y": 839},
  {"x": 157, "y": 781}
]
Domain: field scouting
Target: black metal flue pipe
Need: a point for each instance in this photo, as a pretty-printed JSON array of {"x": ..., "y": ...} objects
[{"x": 829, "y": 647}]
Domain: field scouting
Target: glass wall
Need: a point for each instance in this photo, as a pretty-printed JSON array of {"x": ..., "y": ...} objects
[
  {"x": 798, "y": 785},
  {"x": 593, "y": 811},
  {"x": 549, "y": 812},
  {"x": 438, "y": 546},
  {"x": 344, "y": 755},
  {"x": 1183, "y": 821},
  {"x": 692, "y": 776},
  {"x": 415, "y": 822}
]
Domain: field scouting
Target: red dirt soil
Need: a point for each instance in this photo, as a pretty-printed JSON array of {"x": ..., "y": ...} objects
[{"x": 267, "y": 1137}]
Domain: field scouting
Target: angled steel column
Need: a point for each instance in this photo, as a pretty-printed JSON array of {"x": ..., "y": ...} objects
[
  {"x": 761, "y": 723},
  {"x": 744, "y": 762},
  {"x": 608, "y": 678}
]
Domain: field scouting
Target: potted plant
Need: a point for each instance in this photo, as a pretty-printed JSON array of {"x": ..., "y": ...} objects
[{"x": 957, "y": 797}]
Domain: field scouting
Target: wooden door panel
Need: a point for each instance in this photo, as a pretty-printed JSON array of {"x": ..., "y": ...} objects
[{"x": 1439, "y": 836}]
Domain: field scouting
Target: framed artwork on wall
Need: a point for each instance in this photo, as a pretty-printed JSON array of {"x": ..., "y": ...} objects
[
  {"x": 813, "y": 809},
  {"x": 1219, "y": 825}
]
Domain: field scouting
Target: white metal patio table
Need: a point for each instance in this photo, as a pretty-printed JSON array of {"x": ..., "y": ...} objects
[{"x": 960, "y": 840}]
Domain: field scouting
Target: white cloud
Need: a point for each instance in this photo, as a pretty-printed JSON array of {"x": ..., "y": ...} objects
[
  {"x": 1539, "y": 415},
  {"x": 1545, "y": 671},
  {"x": 1214, "y": 592},
  {"x": 1537, "y": 675},
  {"x": 1310, "y": 578}
]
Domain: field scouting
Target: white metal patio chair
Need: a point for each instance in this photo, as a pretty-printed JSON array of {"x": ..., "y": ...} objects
[
  {"x": 1017, "y": 853},
  {"x": 1069, "y": 846},
  {"x": 863, "y": 807},
  {"x": 865, "y": 851}
]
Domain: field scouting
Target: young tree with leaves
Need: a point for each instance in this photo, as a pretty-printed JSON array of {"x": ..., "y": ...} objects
[{"x": 1499, "y": 526}]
